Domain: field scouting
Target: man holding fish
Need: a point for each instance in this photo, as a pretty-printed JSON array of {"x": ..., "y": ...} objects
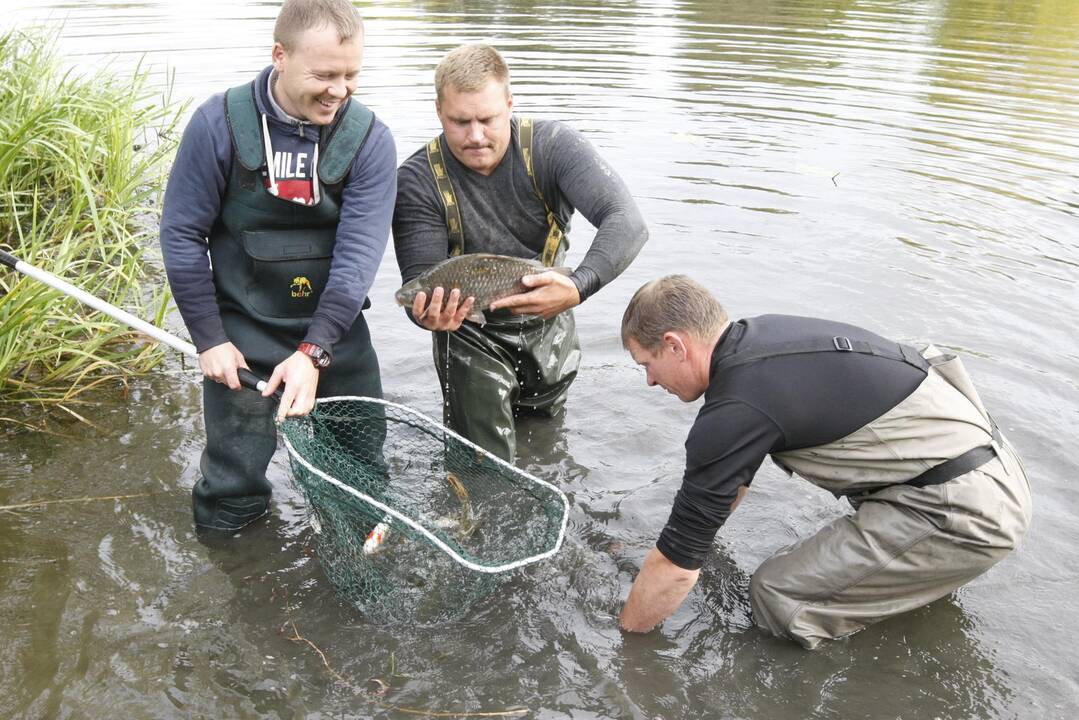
[
  {"x": 287, "y": 185},
  {"x": 493, "y": 191}
]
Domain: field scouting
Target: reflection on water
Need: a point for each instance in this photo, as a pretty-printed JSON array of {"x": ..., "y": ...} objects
[{"x": 910, "y": 166}]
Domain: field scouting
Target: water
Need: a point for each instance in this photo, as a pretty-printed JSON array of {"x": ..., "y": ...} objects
[{"x": 910, "y": 166}]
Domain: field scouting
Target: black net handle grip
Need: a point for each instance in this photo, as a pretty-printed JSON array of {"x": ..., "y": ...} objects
[
  {"x": 8, "y": 259},
  {"x": 250, "y": 380}
]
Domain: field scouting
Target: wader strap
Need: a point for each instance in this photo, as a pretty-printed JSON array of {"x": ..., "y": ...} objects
[
  {"x": 555, "y": 235},
  {"x": 892, "y": 351},
  {"x": 342, "y": 141},
  {"x": 970, "y": 460},
  {"x": 449, "y": 200},
  {"x": 244, "y": 127},
  {"x": 338, "y": 144}
]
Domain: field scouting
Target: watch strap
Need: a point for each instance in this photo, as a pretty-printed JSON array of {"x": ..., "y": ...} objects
[{"x": 319, "y": 357}]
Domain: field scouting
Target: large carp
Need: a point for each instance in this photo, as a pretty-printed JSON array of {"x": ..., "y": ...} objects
[{"x": 484, "y": 276}]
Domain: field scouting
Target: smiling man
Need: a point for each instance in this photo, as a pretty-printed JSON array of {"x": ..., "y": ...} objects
[
  {"x": 496, "y": 183},
  {"x": 287, "y": 185},
  {"x": 939, "y": 495}
]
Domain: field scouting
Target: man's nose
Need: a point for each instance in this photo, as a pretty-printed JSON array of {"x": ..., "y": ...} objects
[
  {"x": 338, "y": 90},
  {"x": 475, "y": 131}
]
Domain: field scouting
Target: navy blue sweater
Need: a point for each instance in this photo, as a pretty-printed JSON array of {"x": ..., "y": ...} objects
[{"x": 198, "y": 182}]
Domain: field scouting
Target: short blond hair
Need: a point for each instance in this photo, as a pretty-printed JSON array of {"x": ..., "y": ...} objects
[
  {"x": 469, "y": 68},
  {"x": 674, "y": 302},
  {"x": 298, "y": 16}
]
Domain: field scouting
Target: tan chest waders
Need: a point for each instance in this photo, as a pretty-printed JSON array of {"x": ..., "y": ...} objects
[{"x": 939, "y": 498}]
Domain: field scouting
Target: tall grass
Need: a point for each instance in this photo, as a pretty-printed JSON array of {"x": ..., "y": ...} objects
[{"x": 81, "y": 166}]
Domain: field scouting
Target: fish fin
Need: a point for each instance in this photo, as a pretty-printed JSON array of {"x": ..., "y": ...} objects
[
  {"x": 562, "y": 270},
  {"x": 477, "y": 316}
]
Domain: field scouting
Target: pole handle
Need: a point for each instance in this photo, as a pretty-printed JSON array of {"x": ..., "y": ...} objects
[{"x": 250, "y": 380}]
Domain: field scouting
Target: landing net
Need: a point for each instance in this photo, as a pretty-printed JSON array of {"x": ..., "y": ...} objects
[{"x": 412, "y": 521}]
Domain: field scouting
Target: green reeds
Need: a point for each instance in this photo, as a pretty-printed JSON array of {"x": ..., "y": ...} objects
[{"x": 81, "y": 167}]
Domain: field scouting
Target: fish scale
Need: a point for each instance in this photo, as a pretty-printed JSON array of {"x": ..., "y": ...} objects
[{"x": 484, "y": 276}]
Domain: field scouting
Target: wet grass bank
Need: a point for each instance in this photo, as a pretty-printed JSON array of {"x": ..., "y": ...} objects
[{"x": 82, "y": 166}]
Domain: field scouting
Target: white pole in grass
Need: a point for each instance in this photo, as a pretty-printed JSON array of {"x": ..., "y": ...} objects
[
  {"x": 247, "y": 378},
  {"x": 98, "y": 304}
]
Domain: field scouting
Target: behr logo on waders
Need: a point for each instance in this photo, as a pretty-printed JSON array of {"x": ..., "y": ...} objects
[{"x": 301, "y": 287}]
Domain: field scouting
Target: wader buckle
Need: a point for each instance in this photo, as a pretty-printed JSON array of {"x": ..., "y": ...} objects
[{"x": 842, "y": 344}]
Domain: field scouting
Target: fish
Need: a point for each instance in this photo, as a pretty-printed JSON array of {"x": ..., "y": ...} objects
[
  {"x": 484, "y": 276},
  {"x": 462, "y": 527},
  {"x": 467, "y": 524},
  {"x": 375, "y": 538}
]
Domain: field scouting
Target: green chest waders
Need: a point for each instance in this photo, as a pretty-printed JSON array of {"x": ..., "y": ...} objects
[
  {"x": 510, "y": 365},
  {"x": 939, "y": 498},
  {"x": 271, "y": 261}
]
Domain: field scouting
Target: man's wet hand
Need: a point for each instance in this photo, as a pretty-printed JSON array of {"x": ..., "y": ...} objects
[
  {"x": 438, "y": 317},
  {"x": 300, "y": 377},
  {"x": 551, "y": 293},
  {"x": 220, "y": 363}
]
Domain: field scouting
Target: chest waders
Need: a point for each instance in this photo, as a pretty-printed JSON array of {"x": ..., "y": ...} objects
[
  {"x": 271, "y": 261},
  {"x": 511, "y": 365},
  {"x": 939, "y": 497}
]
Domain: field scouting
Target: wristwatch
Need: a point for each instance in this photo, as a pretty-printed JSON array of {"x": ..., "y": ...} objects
[{"x": 319, "y": 357}]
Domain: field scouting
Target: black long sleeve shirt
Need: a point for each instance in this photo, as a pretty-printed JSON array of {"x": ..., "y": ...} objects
[{"x": 770, "y": 405}]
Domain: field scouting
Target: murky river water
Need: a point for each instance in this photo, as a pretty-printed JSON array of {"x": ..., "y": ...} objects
[{"x": 908, "y": 165}]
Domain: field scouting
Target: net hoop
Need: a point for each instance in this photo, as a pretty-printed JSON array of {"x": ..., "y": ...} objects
[{"x": 434, "y": 540}]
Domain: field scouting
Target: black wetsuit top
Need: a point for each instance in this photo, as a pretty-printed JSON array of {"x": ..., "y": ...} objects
[{"x": 770, "y": 405}]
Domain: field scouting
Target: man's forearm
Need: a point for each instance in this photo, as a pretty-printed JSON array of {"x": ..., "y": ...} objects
[
  {"x": 620, "y": 235},
  {"x": 569, "y": 167},
  {"x": 657, "y": 592}
]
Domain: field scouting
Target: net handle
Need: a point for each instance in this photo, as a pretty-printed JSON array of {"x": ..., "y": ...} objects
[
  {"x": 247, "y": 378},
  {"x": 435, "y": 540}
]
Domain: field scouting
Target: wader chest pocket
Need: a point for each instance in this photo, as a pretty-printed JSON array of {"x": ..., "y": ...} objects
[{"x": 288, "y": 270}]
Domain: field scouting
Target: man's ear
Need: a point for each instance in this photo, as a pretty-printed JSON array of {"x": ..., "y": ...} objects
[
  {"x": 675, "y": 343},
  {"x": 277, "y": 55}
]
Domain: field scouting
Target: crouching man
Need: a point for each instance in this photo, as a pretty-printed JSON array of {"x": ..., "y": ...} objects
[{"x": 939, "y": 496}]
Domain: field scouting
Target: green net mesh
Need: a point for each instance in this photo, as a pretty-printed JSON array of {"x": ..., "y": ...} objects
[{"x": 411, "y": 521}]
